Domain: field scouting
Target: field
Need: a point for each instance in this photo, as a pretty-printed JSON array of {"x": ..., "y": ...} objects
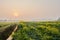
[
  {"x": 2, "y": 24},
  {"x": 6, "y": 29},
  {"x": 49, "y": 30},
  {"x": 37, "y": 31}
]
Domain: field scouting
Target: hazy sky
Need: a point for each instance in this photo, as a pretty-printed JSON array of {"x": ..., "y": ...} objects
[{"x": 30, "y": 9}]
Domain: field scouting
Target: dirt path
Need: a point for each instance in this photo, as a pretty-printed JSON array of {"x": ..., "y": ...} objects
[{"x": 10, "y": 37}]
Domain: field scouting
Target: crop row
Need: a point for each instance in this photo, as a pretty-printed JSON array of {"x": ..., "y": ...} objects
[{"x": 6, "y": 31}]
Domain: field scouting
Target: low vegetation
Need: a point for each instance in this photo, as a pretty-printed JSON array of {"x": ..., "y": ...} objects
[{"x": 38, "y": 31}]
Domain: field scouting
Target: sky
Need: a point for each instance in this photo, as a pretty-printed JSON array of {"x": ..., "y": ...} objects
[{"x": 30, "y": 9}]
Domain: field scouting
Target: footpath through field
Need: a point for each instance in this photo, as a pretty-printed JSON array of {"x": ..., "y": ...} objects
[{"x": 10, "y": 37}]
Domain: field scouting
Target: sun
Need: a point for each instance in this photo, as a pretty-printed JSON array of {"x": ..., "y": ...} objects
[{"x": 16, "y": 14}]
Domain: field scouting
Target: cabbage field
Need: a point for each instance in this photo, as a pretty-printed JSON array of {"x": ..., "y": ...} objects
[{"x": 37, "y": 31}]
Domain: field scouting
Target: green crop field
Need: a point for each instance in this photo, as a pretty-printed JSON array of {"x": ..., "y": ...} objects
[
  {"x": 38, "y": 31},
  {"x": 3, "y": 24}
]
